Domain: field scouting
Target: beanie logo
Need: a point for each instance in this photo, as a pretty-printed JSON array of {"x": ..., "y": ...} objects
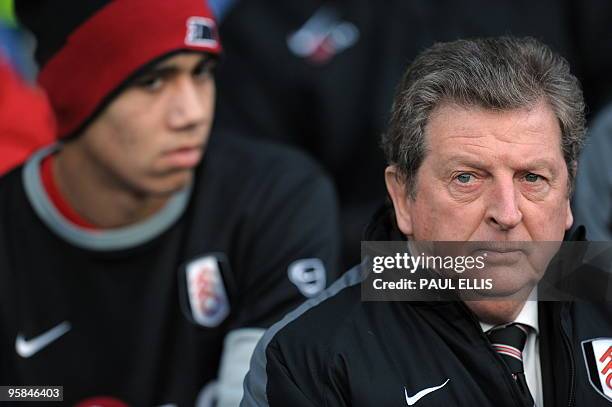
[{"x": 200, "y": 32}]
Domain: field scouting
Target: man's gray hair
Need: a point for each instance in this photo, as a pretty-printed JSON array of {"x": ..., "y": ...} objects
[{"x": 495, "y": 73}]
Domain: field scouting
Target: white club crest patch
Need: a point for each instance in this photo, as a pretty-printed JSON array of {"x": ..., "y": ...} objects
[
  {"x": 201, "y": 32},
  {"x": 598, "y": 359},
  {"x": 207, "y": 297}
]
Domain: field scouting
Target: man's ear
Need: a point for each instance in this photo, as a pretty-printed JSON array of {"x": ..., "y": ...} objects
[
  {"x": 569, "y": 218},
  {"x": 573, "y": 169},
  {"x": 402, "y": 204}
]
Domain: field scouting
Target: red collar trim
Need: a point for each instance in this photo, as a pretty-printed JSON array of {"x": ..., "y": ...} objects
[{"x": 48, "y": 181}]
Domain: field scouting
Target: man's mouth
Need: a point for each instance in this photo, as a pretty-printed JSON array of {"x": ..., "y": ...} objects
[
  {"x": 499, "y": 246},
  {"x": 499, "y": 252},
  {"x": 184, "y": 157}
]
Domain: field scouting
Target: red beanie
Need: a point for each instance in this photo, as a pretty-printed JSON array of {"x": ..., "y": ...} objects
[{"x": 111, "y": 44}]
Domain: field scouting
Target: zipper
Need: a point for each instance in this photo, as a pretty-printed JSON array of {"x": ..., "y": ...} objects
[{"x": 568, "y": 346}]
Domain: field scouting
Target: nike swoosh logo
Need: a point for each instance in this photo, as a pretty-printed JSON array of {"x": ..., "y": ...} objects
[
  {"x": 411, "y": 400},
  {"x": 25, "y": 349}
]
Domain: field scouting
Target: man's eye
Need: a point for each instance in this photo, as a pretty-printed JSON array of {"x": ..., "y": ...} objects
[
  {"x": 464, "y": 178},
  {"x": 153, "y": 83},
  {"x": 203, "y": 70},
  {"x": 531, "y": 177}
]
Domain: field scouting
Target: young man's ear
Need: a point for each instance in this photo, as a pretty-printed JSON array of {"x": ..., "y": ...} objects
[{"x": 402, "y": 204}]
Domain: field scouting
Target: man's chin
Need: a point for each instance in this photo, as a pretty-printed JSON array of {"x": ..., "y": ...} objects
[
  {"x": 496, "y": 311},
  {"x": 503, "y": 286},
  {"x": 170, "y": 184}
]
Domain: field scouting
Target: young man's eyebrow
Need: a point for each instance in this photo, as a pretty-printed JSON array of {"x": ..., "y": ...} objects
[
  {"x": 164, "y": 65},
  {"x": 167, "y": 69},
  {"x": 160, "y": 71}
]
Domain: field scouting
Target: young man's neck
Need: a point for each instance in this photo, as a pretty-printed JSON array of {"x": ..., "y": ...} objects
[{"x": 96, "y": 195}]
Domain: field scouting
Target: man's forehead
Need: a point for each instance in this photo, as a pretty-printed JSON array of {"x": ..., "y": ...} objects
[{"x": 452, "y": 127}]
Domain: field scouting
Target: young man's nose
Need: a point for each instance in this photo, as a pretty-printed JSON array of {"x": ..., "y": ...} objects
[
  {"x": 503, "y": 212},
  {"x": 189, "y": 105}
]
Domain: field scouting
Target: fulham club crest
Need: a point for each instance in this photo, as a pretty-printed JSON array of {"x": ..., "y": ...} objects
[
  {"x": 598, "y": 359},
  {"x": 208, "y": 301}
]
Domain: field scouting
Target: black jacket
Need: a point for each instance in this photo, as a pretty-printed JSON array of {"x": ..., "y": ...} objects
[{"x": 336, "y": 350}]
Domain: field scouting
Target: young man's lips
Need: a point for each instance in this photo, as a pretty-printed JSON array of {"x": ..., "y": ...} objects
[{"x": 184, "y": 157}]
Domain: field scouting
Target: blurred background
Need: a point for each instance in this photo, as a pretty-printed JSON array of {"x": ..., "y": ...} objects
[
  {"x": 26, "y": 120},
  {"x": 320, "y": 75}
]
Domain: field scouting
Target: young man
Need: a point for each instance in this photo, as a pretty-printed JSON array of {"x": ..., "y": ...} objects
[
  {"x": 482, "y": 146},
  {"x": 139, "y": 260}
]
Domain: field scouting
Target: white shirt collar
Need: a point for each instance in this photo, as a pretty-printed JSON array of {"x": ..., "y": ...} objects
[{"x": 528, "y": 315}]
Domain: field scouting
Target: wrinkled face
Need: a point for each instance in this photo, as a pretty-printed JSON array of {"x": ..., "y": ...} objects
[
  {"x": 489, "y": 176},
  {"x": 150, "y": 137}
]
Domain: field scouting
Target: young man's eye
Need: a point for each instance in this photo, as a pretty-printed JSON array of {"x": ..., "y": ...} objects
[
  {"x": 204, "y": 70},
  {"x": 151, "y": 83}
]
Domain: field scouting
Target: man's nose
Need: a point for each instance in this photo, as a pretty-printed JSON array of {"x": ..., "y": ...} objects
[
  {"x": 503, "y": 212},
  {"x": 187, "y": 106}
]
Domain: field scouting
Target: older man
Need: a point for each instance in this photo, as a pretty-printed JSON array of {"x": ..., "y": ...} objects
[{"x": 482, "y": 146}]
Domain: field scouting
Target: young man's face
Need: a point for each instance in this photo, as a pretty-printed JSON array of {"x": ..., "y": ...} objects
[{"x": 152, "y": 135}]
